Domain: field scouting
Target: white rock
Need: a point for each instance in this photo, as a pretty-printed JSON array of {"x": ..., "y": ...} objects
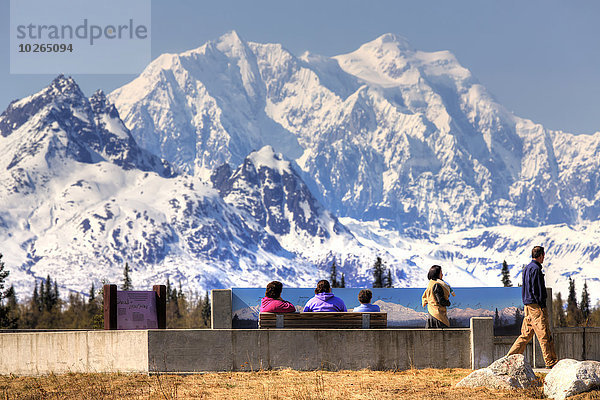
[
  {"x": 570, "y": 377},
  {"x": 509, "y": 372}
]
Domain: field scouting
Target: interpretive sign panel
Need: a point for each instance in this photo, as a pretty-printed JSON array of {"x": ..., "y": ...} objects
[
  {"x": 403, "y": 305},
  {"x": 136, "y": 310}
]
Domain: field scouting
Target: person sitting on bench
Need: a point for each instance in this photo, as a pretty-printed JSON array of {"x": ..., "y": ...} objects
[
  {"x": 324, "y": 300},
  {"x": 272, "y": 302},
  {"x": 364, "y": 296}
]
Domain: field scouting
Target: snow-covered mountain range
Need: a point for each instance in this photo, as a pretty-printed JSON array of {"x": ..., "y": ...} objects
[
  {"x": 237, "y": 163},
  {"x": 385, "y": 133},
  {"x": 80, "y": 198}
]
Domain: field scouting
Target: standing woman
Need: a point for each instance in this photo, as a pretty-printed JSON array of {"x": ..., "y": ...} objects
[{"x": 436, "y": 298}]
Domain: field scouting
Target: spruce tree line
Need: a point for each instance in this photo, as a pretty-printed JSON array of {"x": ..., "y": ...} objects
[
  {"x": 575, "y": 313},
  {"x": 187, "y": 311},
  {"x": 45, "y": 309}
]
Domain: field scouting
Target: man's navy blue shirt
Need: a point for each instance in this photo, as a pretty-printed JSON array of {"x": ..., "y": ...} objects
[{"x": 534, "y": 287}]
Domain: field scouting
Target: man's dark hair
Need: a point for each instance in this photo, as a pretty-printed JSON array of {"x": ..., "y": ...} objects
[
  {"x": 323, "y": 287},
  {"x": 364, "y": 296},
  {"x": 434, "y": 272},
  {"x": 537, "y": 251},
  {"x": 274, "y": 289}
]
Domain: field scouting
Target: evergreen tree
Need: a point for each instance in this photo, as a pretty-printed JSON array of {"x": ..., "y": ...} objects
[
  {"x": 584, "y": 305},
  {"x": 518, "y": 317},
  {"x": 76, "y": 313},
  {"x": 388, "y": 279},
  {"x": 127, "y": 285},
  {"x": 206, "y": 313},
  {"x": 32, "y": 310},
  {"x": 44, "y": 293},
  {"x": 343, "y": 281},
  {"x": 97, "y": 309},
  {"x": 51, "y": 314},
  {"x": 55, "y": 294},
  {"x": 506, "y": 275},
  {"x": 496, "y": 319},
  {"x": 168, "y": 289},
  {"x": 3, "y": 275},
  {"x": 173, "y": 311},
  {"x": 179, "y": 309},
  {"x": 9, "y": 312},
  {"x": 558, "y": 311},
  {"x": 573, "y": 315},
  {"x": 13, "y": 313},
  {"x": 11, "y": 297},
  {"x": 50, "y": 294},
  {"x": 4, "y": 309},
  {"x": 92, "y": 297},
  {"x": 595, "y": 316},
  {"x": 378, "y": 273},
  {"x": 333, "y": 276},
  {"x": 94, "y": 309},
  {"x": 37, "y": 303}
]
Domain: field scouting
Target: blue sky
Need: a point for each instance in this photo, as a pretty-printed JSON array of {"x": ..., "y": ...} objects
[{"x": 541, "y": 59}]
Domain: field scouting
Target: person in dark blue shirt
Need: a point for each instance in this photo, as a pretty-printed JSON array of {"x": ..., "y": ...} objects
[{"x": 536, "y": 313}]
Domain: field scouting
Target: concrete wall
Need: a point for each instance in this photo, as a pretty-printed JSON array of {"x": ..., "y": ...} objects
[
  {"x": 503, "y": 343},
  {"x": 38, "y": 353},
  {"x": 307, "y": 349},
  {"x": 577, "y": 343},
  {"x": 75, "y": 351},
  {"x": 220, "y": 309}
]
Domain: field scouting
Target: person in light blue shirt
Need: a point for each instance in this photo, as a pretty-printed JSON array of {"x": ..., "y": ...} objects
[{"x": 364, "y": 296}]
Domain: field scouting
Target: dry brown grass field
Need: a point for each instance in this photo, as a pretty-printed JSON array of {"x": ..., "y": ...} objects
[{"x": 430, "y": 384}]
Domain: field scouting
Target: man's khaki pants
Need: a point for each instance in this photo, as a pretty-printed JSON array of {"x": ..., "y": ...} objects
[{"x": 536, "y": 321}]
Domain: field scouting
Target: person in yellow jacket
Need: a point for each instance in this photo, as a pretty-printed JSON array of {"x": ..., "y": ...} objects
[{"x": 436, "y": 299}]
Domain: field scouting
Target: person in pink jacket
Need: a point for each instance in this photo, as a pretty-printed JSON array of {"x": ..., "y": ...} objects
[{"x": 272, "y": 302}]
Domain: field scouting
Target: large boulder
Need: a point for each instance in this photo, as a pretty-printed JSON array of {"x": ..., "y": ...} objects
[
  {"x": 570, "y": 377},
  {"x": 509, "y": 372}
]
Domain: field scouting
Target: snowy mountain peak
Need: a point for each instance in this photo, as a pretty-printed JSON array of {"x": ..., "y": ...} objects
[
  {"x": 390, "y": 60},
  {"x": 65, "y": 86},
  {"x": 267, "y": 188},
  {"x": 230, "y": 40},
  {"x": 59, "y": 124},
  {"x": 100, "y": 104},
  {"x": 61, "y": 90},
  {"x": 99, "y": 97},
  {"x": 390, "y": 41},
  {"x": 266, "y": 157}
]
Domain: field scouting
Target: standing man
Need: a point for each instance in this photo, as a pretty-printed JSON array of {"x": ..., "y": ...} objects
[{"x": 536, "y": 312}]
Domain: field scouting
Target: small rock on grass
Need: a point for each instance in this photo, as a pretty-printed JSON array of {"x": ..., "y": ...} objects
[
  {"x": 509, "y": 372},
  {"x": 570, "y": 377}
]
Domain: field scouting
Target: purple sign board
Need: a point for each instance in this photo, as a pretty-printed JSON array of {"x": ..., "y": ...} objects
[{"x": 136, "y": 310}]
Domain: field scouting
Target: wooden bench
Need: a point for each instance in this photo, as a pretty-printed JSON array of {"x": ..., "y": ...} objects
[{"x": 332, "y": 320}]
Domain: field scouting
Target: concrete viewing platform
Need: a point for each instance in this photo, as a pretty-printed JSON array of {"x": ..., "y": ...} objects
[{"x": 227, "y": 349}]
